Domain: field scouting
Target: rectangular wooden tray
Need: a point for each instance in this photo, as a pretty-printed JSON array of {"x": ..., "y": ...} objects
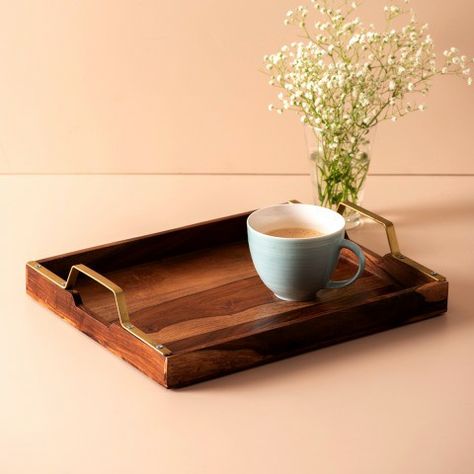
[{"x": 186, "y": 305}]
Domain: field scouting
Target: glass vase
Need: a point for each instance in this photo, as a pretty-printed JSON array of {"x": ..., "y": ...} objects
[{"x": 339, "y": 170}]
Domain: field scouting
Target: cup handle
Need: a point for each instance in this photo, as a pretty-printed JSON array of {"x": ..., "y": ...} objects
[{"x": 360, "y": 255}]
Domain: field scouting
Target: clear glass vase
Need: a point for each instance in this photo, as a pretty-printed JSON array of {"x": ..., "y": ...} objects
[{"x": 338, "y": 171}]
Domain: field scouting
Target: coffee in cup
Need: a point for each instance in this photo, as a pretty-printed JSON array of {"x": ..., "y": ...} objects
[{"x": 294, "y": 232}]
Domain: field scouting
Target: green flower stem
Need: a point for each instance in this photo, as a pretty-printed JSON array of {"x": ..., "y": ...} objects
[{"x": 339, "y": 175}]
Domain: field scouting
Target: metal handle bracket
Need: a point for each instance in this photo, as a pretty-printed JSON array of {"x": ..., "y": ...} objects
[
  {"x": 119, "y": 297},
  {"x": 391, "y": 237}
]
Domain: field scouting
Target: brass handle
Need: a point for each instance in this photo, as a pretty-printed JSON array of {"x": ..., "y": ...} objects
[
  {"x": 391, "y": 237},
  {"x": 388, "y": 225},
  {"x": 119, "y": 297}
]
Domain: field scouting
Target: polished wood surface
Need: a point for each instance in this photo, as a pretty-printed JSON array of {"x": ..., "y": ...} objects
[{"x": 195, "y": 290}]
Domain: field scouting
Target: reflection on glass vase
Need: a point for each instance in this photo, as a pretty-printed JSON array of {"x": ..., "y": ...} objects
[{"x": 338, "y": 170}]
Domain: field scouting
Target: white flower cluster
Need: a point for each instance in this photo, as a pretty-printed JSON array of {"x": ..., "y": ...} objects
[{"x": 345, "y": 77}]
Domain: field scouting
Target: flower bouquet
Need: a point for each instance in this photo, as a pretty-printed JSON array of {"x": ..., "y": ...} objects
[{"x": 344, "y": 77}]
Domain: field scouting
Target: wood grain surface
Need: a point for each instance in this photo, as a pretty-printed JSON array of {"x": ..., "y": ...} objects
[{"x": 195, "y": 290}]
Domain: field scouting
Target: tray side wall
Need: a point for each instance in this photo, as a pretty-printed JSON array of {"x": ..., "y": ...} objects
[
  {"x": 109, "y": 257},
  {"x": 112, "y": 336},
  {"x": 405, "y": 307}
]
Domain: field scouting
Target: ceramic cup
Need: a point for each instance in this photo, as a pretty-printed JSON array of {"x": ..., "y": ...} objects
[{"x": 296, "y": 268}]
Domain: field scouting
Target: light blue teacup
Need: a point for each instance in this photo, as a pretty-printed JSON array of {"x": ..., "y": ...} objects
[{"x": 296, "y": 268}]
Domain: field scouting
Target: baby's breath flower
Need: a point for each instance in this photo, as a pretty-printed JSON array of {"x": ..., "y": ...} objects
[{"x": 345, "y": 77}]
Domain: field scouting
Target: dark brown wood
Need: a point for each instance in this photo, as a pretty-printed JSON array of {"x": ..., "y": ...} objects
[{"x": 195, "y": 290}]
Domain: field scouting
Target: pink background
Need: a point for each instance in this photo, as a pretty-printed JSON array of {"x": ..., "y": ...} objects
[
  {"x": 172, "y": 88},
  {"x": 396, "y": 402},
  {"x": 175, "y": 87}
]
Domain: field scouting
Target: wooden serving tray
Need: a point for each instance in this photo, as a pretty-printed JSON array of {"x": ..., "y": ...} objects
[{"x": 195, "y": 308}]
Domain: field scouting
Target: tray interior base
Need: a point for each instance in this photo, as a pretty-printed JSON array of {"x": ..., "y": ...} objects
[{"x": 179, "y": 300}]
